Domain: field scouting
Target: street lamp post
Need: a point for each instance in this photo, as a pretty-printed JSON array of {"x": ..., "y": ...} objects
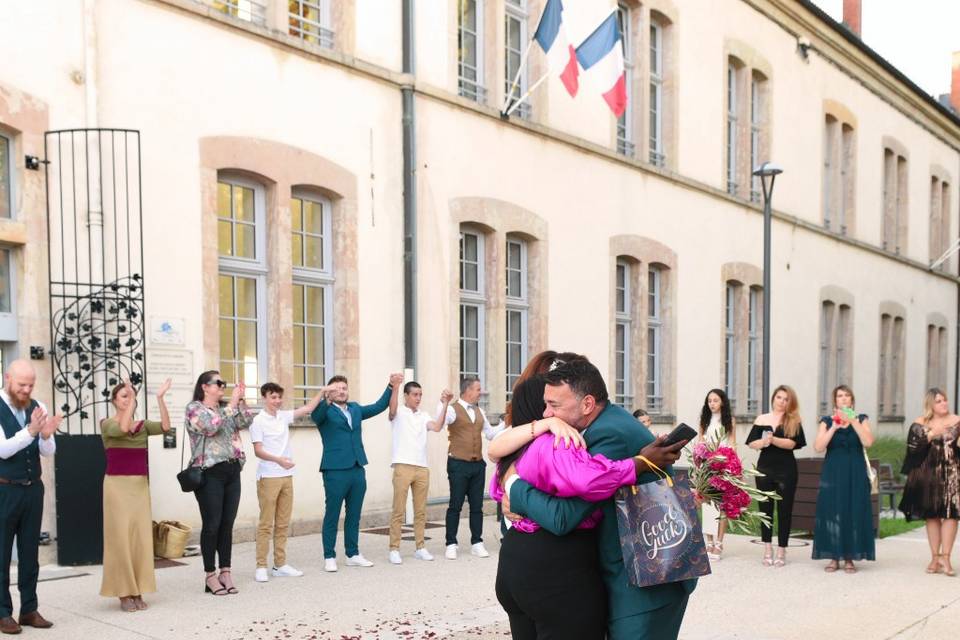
[{"x": 767, "y": 172}]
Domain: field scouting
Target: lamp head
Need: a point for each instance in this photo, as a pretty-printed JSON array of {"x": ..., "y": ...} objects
[{"x": 768, "y": 169}]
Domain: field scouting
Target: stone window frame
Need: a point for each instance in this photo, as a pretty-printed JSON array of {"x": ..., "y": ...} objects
[
  {"x": 835, "y": 359},
  {"x": 746, "y": 278},
  {"x": 753, "y": 74},
  {"x": 938, "y": 337},
  {"x": 642, "y": 253},
  {"x": 642, "y": 16},
  {"x": 498, "y": 219},
  {"x": 892, "y": 357},
  {"x": 839, "y": 178},
  {"x": 283, "y": 168},
  {"x": 895, "y": 212},
  {"x": 940, "y": 219}
]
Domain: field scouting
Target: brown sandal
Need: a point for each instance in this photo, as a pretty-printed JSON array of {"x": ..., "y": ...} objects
[
  {"x": 833, "y": 566},
  {"x": 128, "y": 604},
  {"x": 141, "y": 605},
  {"x": 849, "y": 568}
]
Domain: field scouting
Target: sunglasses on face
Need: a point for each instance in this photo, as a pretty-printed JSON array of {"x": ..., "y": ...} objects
[{"x": 219, "y": 383}]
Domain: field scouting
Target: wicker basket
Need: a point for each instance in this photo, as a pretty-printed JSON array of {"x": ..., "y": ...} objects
[{"x": 170, "y": 538}]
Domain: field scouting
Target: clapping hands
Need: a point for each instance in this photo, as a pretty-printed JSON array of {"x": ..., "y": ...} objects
[{"x": 43, "y": 424}]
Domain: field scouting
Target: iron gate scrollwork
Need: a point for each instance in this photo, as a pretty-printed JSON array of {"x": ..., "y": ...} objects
[{"x": 95, "y": 235}]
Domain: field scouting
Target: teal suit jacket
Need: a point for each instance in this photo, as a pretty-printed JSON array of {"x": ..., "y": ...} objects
[
  {"x": 343, "y": 445},
  {"x": 618, "y": 436}
]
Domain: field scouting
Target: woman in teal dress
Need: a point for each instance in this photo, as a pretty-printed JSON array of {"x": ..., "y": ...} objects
[{"x": 844, "y": 522}]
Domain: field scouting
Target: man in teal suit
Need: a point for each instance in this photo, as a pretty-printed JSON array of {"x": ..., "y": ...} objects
[
  {"x": 576, "y": 393},
  {"x": 344, "y": 480}
]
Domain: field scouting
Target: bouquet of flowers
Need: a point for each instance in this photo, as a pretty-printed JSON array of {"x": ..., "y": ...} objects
[{"x": 718, "y": 476}]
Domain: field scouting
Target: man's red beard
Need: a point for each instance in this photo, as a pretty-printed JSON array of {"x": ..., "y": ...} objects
[{"x": 16, "y": 402}]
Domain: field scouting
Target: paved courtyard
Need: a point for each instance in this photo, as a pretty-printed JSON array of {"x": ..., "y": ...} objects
[{"x": 890, "y": 599}]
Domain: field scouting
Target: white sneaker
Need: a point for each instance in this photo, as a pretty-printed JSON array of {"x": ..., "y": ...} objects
[
  {"x": 422, "y": 554},
  {"x": 330, "y": 564},
  {"x": 286, "y": 571},
  {"x": 261, "y": 574},
  {"x": 451, "y": 552},
  {"x": 479, "y": 550},
  {"x": 358, "y": 561},
  {"x": 395, "y": 557}
]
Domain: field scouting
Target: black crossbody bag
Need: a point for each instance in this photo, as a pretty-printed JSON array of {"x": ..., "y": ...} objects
[{"x": 192, "y": 477}]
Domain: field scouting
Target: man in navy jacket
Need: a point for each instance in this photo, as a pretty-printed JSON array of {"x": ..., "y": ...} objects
[{"x": 344, "y": 480}]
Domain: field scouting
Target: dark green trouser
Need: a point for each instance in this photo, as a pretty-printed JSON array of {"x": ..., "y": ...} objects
[
  {"x": 21, "y": 510},
  {"x": 658, "y": 624},
  {"x": 343, "y": 485}
]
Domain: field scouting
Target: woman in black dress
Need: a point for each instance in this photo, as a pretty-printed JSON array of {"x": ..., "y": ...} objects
[
  {"x": 776, "y": 435},
  {"x": 932, "y": 490}
]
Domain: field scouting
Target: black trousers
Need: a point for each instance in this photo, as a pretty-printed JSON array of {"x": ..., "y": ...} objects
[
  {"x": 466, "y": 481},
  {"x": 219, "y": 499},
  {"x": 551, "y": 587},
  {"x": 785, "y": 484},
  {"x": 21, "y": 510}
]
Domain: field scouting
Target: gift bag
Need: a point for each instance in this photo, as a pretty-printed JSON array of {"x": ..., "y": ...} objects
[{"x": 660, "y": 534}]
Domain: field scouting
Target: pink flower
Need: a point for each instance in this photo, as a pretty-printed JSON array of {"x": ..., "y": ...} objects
[
  {"x": 700, "y": 452},
  {"x": 721, "y": 485}
]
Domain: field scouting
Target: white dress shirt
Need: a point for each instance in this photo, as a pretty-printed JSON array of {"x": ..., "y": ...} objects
[
  {"x": 488, "y": 431},
  {"x": 410, "y": 436},
  {"x": 21, "y": 440},
  {"x": 273, "y": 432}
]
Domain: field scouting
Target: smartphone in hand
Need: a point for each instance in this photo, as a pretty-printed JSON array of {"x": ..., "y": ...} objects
[{"x": 680, "y": 433}]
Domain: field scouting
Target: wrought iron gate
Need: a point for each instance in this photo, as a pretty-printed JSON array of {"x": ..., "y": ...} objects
[{"x": 95, "y": 236}]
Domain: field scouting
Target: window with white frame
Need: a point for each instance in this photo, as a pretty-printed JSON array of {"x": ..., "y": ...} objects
[
  {"x": 515, "y": 41},
  {"x": 242, "y": 282},
  {"x": 311, "y": 226},
  {"x": 623, "y": 329},
  {"x": 846, "y": 195},
  {"x": 936, "y": 356},
  {"x": 753, "y": 350},
  {"x": 309, "y": 20},
  {"x": 829, "y": 163},
  {"x": 657, "y": 155},
  {"x": 247, "y": 10},
  {"x": 6, "y": 177},
  {"x": 517, "y": 307},
  {"x": 891, "y": 360},
  {"x": 470, "y": 50},
  {"x": 730, "y": 347},
  {"x": 732, "y": 128},
  {"x": 625, "y": 143},
  {"x": 654, "y": 340},
  {"x": 472, "y": 304},
  {"x": 838, "y": 158},
  {"x": 756, "y": 115},
  {"x": 894, "y": 201},
  {"x": 834, "y": 363}
]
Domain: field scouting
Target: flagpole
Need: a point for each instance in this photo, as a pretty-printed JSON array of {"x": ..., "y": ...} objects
[
  {"x": 521, "y": 99},
  {"x": 516, "y": 78}
]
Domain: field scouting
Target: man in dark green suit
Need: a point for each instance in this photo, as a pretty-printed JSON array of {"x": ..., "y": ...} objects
[
  {"x": 344, "y": 480},
  {"x": 576, "y": 393}
]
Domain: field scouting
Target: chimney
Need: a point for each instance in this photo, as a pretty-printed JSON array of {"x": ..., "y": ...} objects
[
  {"x": 852, "y": 15},
  {"x": 955, "y": 83}
]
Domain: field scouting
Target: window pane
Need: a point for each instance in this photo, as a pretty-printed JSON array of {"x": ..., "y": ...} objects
[
  {"x": 247, "y": 340},
  {"x": 227, "y": 339},
  {"x": 314, "y": 305},
  {"x": 313, "y": 252},
  {"x": 299, "y": 376},
  {"x": 296, "y": 214},
  {"x": 299, "y": 350},
  {"x": 243, "y": 203},
  {"x": 226, "y": 296},
  {"x": 297, "y": 250},
  {"x": 5, "y": 290},
  {"x": 298, "y": 303},
  {"x": 223, "y": 200},
  {"x": 228, "y": 371},
  {"x": 246, "y": 298},
  {"x": 315, "y": 376},
  {"x": 6, "y": 181},
  {"x": 470, "y": 325},
  {"x": 245, "y": 243},
  {"x": 224, "y": 238},
  {"x": 470, "y": 277},
  {"x": 313, "y": 217},
  {"x": 314, "y": 337}
]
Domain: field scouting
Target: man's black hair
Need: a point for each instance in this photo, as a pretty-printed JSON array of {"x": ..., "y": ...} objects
[{"x": 582, "y": 377}]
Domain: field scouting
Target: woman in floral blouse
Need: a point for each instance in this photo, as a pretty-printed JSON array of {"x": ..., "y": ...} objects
[{"x": 214, "y": 428}]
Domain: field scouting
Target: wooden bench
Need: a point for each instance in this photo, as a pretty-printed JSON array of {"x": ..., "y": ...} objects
[
  {"x": 890, "y": 484},
  {"x": 808, "y": 486}
]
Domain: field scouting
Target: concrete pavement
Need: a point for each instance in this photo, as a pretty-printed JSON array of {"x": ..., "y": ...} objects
[{"x": 890, "y": 599}]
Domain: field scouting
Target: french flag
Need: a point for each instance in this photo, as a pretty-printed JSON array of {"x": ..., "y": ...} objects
[
  {"x": 561, "y": 55},
  {"x": 601, "y": 56}
]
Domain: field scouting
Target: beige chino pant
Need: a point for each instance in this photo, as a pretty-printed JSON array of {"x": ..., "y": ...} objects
[
  {"x": 276, "y": 506},
  {"x": 406, "y": 476}
]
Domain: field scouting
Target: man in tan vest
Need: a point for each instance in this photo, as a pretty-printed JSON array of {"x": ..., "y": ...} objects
[{"x": 466, "y": 469}]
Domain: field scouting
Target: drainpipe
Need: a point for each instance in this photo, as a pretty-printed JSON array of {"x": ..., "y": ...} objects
[{"x": 409, "y": 195}]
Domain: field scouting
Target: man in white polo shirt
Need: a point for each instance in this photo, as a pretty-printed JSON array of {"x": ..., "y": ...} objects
[
  {"x": 270, "y": 434},
  {"x": 409, "y": 462}
]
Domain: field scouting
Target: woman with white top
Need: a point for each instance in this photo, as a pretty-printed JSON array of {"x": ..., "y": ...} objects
[{"x": 717, "y": 427}]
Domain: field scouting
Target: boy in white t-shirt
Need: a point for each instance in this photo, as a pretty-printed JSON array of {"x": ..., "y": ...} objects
[{"x": 270, "y": 434}]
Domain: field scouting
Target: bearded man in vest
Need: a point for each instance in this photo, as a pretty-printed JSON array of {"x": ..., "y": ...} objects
[
  {"x": 466, "y": 469},
  {"x": 26, "y": 434}
]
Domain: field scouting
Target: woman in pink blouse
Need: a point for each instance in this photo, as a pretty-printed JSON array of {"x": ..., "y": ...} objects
[{"x": 550, "y": 586}]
